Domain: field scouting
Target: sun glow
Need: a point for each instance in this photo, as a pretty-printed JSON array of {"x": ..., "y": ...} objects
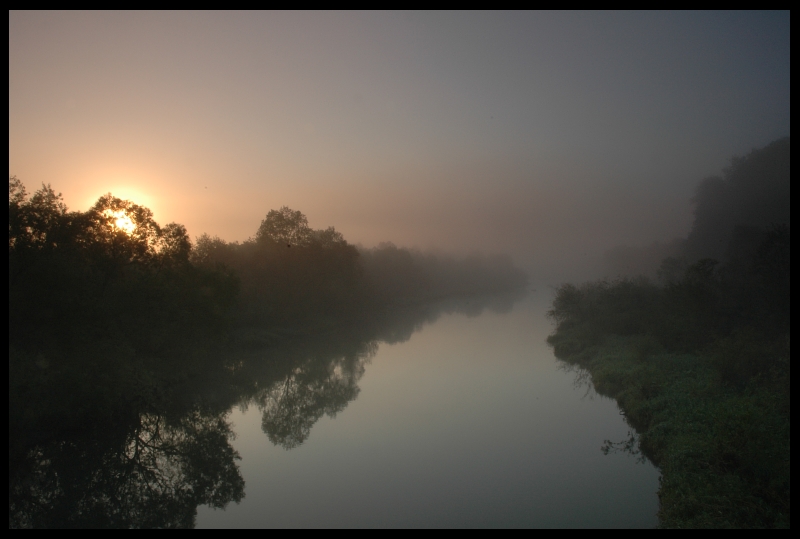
[{"x": 121, "y": 220}]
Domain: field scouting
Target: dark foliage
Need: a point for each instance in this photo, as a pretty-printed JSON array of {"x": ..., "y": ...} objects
[
  {"x": 700, "y": 362},
  {"x": 128, "y": 346},
  {"x": 752, "y": 192},
  {"x": 732, "y": 212}
]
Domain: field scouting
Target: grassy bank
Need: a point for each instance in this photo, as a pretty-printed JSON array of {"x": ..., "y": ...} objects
[{"x": 723, "y": 449}]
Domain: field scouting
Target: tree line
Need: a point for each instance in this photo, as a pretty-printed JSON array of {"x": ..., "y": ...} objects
[{"x": 112, "y": 273}]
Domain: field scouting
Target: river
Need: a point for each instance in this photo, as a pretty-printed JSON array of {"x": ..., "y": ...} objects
[{"x": 470, "y": 422}]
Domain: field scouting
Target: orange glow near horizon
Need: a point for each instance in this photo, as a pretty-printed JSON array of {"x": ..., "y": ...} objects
[
  {"x": 124, "y": 192},
  {"x": 544, "y": 134}
]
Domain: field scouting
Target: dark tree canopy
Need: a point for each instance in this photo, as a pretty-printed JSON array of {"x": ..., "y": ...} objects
[
  {"x": 753, "y": 192},
  {"x": 284, "y": 226}
]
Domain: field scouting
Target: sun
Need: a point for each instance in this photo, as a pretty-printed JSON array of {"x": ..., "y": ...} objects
[{"x": 121, "y": 221}]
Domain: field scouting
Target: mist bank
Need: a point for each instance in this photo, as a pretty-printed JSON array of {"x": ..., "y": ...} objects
[
  {"x": 732, "y": 212},
  {"x": 291, "y": 275},
  {"x": 699, "y": 361}
]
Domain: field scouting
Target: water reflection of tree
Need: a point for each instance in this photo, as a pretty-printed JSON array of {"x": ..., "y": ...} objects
[
  {"x": 150, "y": 473},
  {"x": 322, "y": 373},
  {"x": 630, "y": 447},
  {"x": 292, "y": 406},
  {"x": 144, "y": 453}
]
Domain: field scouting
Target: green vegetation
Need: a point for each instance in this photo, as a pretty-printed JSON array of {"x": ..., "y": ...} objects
[
  {"x": 699, "y": 363},
  {"x": 128, "y": 347}
]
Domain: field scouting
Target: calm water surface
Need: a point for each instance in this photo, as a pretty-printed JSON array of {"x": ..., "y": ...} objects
[{"x": 471, "y": 422}]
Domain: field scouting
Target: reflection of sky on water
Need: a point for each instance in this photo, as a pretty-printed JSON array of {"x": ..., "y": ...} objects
[{"x": 469, "y": 423}]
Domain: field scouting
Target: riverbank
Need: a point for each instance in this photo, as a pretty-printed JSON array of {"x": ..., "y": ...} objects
[{"x": 723, "y": 450}]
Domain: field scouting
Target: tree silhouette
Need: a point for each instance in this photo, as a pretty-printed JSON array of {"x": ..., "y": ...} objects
[
  {"x": 174, "y": 244},
  {"x": 329, "y": 237},
  {"x": 151, "y": 474},
  {"x": 322, "y": 384},
  {"x": 753, "y": 192},
  {"x": 286, "y": 227}
]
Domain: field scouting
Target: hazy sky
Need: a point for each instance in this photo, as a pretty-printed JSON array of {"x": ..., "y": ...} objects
[{"x": 551, "y": 136}]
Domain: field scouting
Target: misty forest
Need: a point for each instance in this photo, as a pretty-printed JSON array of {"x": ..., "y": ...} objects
[{"x": 129, "y": 343}]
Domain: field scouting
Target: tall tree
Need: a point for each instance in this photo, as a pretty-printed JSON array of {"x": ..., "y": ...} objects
[{"x": 285, "y": 226}]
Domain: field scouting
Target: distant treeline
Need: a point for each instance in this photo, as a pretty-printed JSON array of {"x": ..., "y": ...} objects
[
  {"x": 112, "y": 274},
  {"x": 699, "y": 362},
  {"x": 291, "y": 275}
]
